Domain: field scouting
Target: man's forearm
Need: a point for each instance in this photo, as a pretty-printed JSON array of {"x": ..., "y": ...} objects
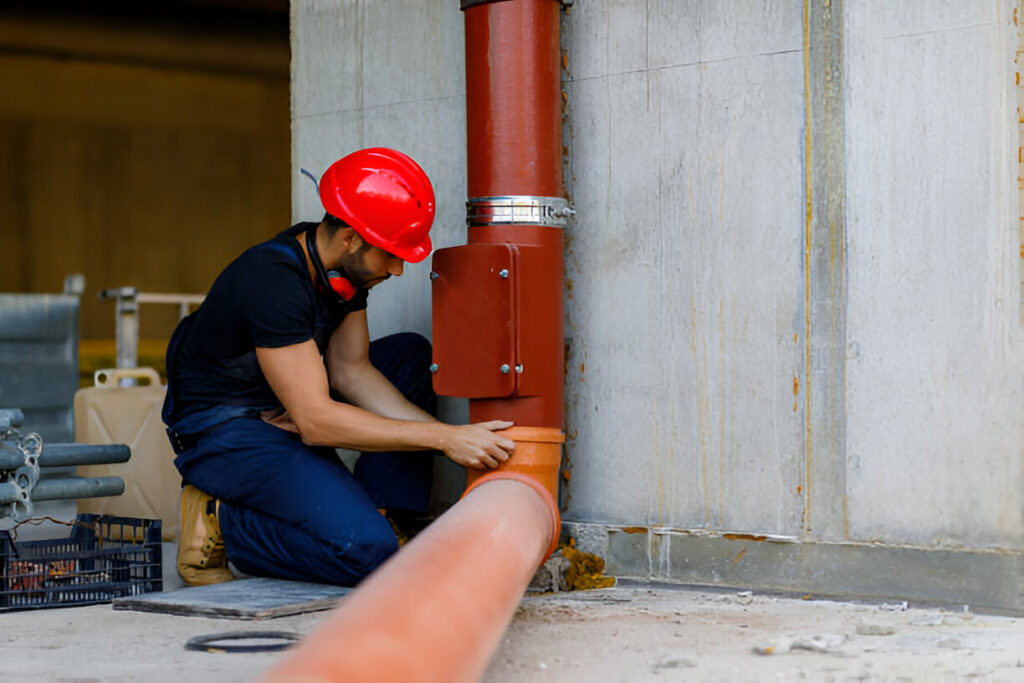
[
  {"x": 370, "y": 390},
  {"x": 342, "y": 425}
]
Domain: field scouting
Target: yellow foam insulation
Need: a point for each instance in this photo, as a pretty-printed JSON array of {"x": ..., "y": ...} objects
[{"x": 585, "y": 570}]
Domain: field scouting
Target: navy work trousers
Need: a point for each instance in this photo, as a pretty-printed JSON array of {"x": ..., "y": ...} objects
[{"x": 294, "y": 511}]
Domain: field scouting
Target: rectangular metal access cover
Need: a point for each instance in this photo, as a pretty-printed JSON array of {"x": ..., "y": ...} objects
[{"x": 474, "y": 321}]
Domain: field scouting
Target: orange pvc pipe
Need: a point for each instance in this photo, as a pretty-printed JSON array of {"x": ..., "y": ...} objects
[{"x": 437, "y": 609}]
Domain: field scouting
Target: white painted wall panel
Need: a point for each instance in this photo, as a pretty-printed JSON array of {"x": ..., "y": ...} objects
[
  {"x": 613, "y": 279},
  {"x": 673, "y": 32},
  {"x": 698, "y": 361},
  {"x": 934, "y": 390},
  {"x": 609, "y": 37},
  {"x": 326, "y": 57},
  {"x": 748, "y": 292},
  {"x": 412, "y": 51},
  {"x": 742, "y": 28}
]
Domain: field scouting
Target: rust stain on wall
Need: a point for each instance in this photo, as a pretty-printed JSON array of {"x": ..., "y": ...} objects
[
  {"x": 1020, "y": 149},
  {"x": 744, "y": 537},
  {"x": 634, "y": 529},
  {"x": 808, "y": 199},
  {"x": 737, "y": 558}
]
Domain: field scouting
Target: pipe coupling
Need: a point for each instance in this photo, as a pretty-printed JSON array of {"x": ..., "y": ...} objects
[{"x": 518, "y": 210}]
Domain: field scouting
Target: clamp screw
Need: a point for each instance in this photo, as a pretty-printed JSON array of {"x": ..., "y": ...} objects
[
  {"x": 519, "y": 368},
  {"x": 434, "y": 275},
  {"x": 433, "y": 367},
  {"x": 505, "y": 368},
  {"x": 503, "y": 273}
]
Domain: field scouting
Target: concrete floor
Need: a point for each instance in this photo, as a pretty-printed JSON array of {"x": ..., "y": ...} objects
[{"x": 632, "y": 632}]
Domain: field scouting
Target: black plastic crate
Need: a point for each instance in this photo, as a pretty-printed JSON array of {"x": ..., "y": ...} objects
[{"x": 105, "y": 557}]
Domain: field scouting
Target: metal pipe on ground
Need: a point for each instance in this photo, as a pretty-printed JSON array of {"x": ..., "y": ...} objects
[{"x": 436, "y": 611}]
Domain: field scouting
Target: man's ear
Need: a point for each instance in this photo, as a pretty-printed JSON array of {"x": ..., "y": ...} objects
[{"x": 350, "y": 239}]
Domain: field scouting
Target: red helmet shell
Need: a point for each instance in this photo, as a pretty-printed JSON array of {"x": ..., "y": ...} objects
[{"x": 386, "y": 197}]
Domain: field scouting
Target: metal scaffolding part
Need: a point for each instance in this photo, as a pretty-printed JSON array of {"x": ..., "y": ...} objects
[
  {"x": 127, "y": 300},
  {"x": 66, "y": 455},
  {"x": 23, "y": 457}
]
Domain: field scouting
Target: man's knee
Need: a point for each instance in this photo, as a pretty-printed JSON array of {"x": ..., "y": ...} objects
[
  {"x": 370, "y": 547},
  {"x": 414, "y": 341},
  {"x": 408, "y": 349}
]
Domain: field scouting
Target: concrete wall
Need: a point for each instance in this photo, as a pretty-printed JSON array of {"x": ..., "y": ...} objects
[
  {"x": 935, "y": 358},
  {"x": 685, "y": 301},
  {"x": 792, "y": 282}
]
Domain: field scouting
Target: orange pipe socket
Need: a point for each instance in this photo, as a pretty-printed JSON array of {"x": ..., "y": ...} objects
[
  {"x": 437, "y": 609},
  {"x": 535, "y": 461}
]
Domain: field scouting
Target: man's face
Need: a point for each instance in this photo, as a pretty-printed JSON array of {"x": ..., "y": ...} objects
[{"x": 367, "y": 265}]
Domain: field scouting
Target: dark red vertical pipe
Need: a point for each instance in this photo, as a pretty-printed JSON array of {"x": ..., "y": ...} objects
[
  {"x": 514, "y": 138},
  {"x": 513, "y": 99}
]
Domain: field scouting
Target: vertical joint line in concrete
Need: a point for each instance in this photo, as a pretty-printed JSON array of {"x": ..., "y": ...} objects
[
  {"x": 825, "y": 273},
  {"x": 808, "y": 194}
]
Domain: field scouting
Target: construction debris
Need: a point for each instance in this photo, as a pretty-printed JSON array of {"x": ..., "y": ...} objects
[
  {"x": 569, "y": 569},
  {"x": 824, "y": 642},
  {"x": 873, "y": 628}
]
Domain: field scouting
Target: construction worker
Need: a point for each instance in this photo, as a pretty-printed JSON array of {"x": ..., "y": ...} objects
[{"x": 275, "y": 370}]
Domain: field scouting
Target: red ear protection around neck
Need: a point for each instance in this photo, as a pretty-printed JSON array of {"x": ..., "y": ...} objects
[
  {"x": 341, "y": 285},
  {"x": 330, "y": 281}
]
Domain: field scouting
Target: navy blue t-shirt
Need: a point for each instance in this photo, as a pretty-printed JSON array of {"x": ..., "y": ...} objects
[{"x": 264, "y": 298}]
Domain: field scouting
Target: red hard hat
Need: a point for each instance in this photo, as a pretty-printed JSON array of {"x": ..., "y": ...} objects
[{"x": 386, "y": 197}]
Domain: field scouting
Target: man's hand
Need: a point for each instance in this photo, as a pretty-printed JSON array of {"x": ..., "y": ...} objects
[{"x": 477, "y": 445}]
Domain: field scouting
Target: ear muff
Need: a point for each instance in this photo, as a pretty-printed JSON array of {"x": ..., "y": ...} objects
[
  {"x": 340, "y": 285},
  {"x": 330, "y": 281}
]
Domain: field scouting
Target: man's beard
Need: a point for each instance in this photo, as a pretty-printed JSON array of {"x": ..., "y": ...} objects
[{"x": 353, "y": 267}]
